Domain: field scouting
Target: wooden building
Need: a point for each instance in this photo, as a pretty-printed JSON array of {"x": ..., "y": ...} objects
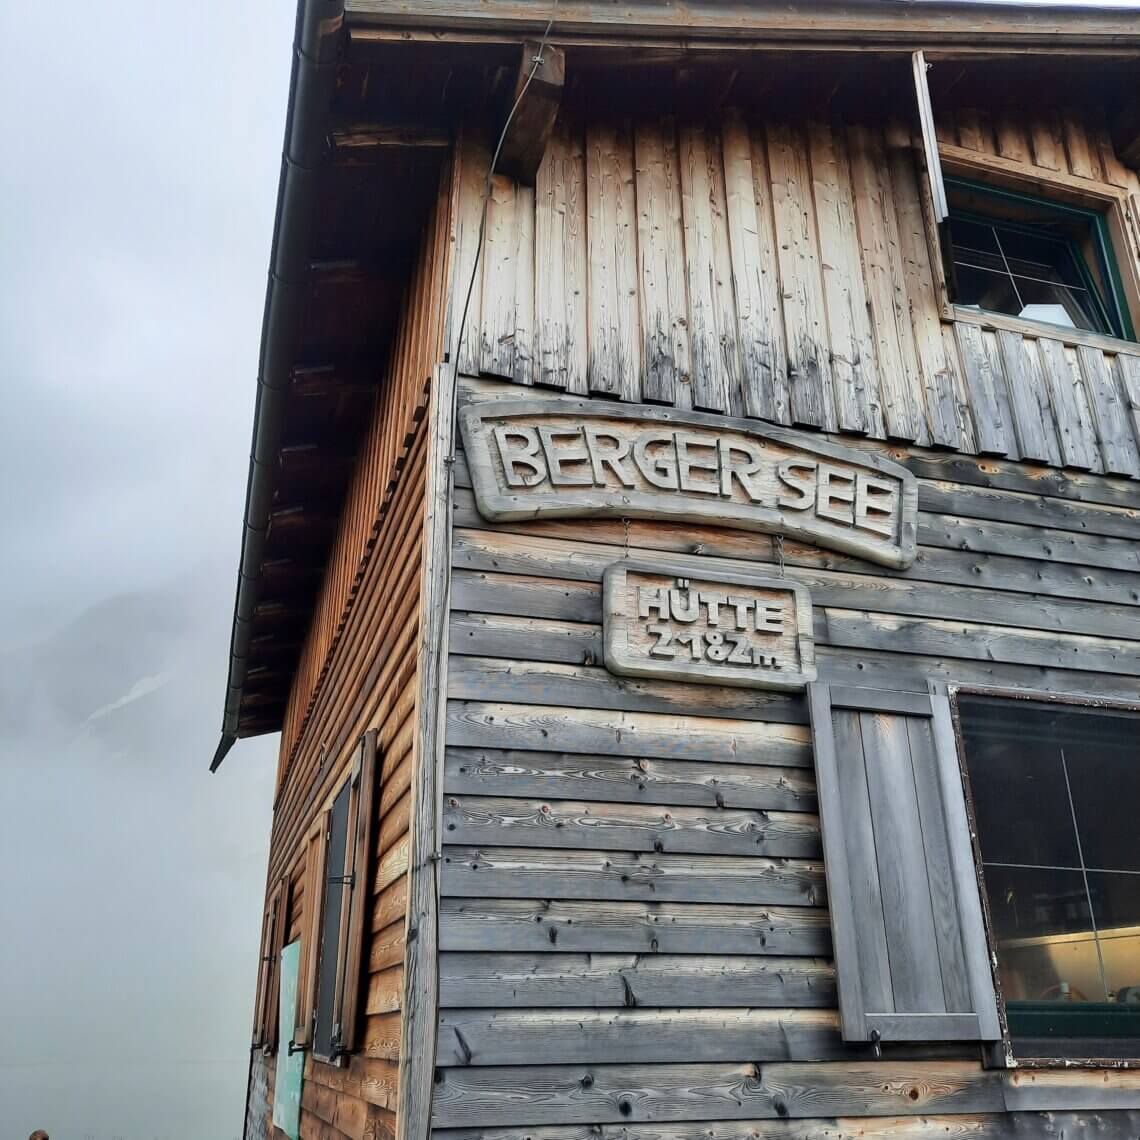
[{"x": 691, "y": 557}]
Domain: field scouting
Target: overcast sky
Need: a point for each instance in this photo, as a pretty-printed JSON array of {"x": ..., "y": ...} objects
[{"x": 141, "y": 149}]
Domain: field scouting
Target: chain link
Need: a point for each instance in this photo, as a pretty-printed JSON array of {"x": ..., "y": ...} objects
[{"x": 778, "y": 543}]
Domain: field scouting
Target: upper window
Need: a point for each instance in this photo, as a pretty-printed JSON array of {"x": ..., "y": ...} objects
[
  {"x": 1033, "y": 258},
  {"x": 1054, "y": 789}
]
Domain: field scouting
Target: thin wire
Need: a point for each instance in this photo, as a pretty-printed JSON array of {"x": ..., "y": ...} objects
[{"x": 536, "y": 63}]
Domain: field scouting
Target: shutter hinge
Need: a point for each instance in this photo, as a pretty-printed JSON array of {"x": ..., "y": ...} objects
[{"x": 877, "y": 1044}]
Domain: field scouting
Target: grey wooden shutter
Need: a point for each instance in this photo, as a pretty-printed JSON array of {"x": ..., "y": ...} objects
[{"x": 910, "y": 945}]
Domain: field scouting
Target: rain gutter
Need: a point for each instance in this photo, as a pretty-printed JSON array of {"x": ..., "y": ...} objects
[{"x": 316, "y": 43}]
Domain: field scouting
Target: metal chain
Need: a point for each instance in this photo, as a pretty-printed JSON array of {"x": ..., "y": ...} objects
[
  {"x": 778, "y": 543},
  {"x": 625, "y": 525}
]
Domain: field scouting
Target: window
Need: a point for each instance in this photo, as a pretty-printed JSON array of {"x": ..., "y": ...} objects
[
  {"x": 1054, "y": 789},
  {"x": 1032, "y": 258},
  {"x": 339, "y": 882}
]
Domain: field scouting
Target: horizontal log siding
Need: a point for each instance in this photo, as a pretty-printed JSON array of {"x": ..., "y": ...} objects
[
  {"x": 400, "y": 404},
  {"x": 359, "y": 672},
  {"x": 782, "y": 270},
  {"x": 633, "y": 928}
]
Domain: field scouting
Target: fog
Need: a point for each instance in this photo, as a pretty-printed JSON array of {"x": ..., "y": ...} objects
[{"x": 141, "y": 149}]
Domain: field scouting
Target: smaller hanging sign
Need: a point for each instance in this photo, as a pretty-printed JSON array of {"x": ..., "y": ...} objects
[{"x": 662, "y": 620}]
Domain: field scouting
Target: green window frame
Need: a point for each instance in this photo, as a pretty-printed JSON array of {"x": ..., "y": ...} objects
[{"x": 1113, "y": 307}]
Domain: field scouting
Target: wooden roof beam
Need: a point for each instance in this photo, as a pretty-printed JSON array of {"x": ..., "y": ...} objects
[
  {"x": 542, "y": 75},
  {"x": 369, "y": 142},
  {"x": 898, "y": 21}
]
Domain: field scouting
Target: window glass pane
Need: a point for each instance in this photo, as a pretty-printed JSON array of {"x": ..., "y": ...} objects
[
  {"x": 1103, "y": 778},
  {"x": 1028, "y": 258},
  {"x": 1053, "y": 789},
  {"x": 1011, "y": 764},
  {"x": 335, "y": 890}
]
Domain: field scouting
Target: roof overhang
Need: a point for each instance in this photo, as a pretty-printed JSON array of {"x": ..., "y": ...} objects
[{"x": 377, "y": 87}]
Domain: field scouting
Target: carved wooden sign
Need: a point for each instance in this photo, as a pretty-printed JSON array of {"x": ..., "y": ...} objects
[
  {"x": 661, "y": 620},
  {"x": 565, "y": 457}
]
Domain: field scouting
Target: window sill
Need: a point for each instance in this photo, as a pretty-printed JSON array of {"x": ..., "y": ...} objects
[{"x": 1040, "y": 330}]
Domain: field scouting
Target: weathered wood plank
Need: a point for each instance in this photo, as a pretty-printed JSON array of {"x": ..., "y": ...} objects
[
  {"x": 1111, "y": 414},
  {"x": 628, "y": 827},
  {"x": 613, "y": 328},
  {"x": 627, "y": 779},
  {"x": 882, "y": 272},
  {"x": 712, "y": 318},
  {"x": 500, "y": 269},
  {"x": 484, "y": 724},
  {"x": 1076, "y": 433},
  {"x": 1041, "y": 596},
  {"x": 991, "y": 428},
  {"x": 536, "y": 681},
  {"x": 763, "y": 373},
  {"x": 520, "y": 873},
  {"x": 543, "y": 1094},
  {"x": 633, "y": 981},
  {"x": 492, "y": 635},
  {"x": 599, "y": 1037},
  {"x": 935, "y": 380},
  {"x": 661, "y": 257},
  {"x": 560, "y": 263},
  {"x": 542, "y": 925},
  {"x": 1029, "y": 399},
  {"x": 852, "y": 628},
  {"x": 864, "y": 666},
  {"x": 853, "y": 363},
  {"x": 801, "y": 287},
  {"x": 1112, "y": 1124}
]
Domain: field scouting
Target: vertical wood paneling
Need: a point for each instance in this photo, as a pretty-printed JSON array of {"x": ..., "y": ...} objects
[
  {"x": 805, "y": 319},
  {"x": 614, "y": 333},
  {"x": 524, "y": 286},
  {"x": 784, "y": 270},
  {"x": 560, "y": 263},
  {"x": 886, "y": 293},
  {"x": 936, "y": 369},
  {"x": 755, "y": 280},
  {"x": 1076, "y": 435},
  {"x": 500, "y": 269},
  {"x": 853, "y": 365},
  {"x": 991, "y": 427},
  {"x": 712, "y": 317},
  {"x": 1113, "y": 422},
  {"x": 1028, "y": 399},
  {"x": 472, "y": 176},
  {"x": 661, "y": 259}
]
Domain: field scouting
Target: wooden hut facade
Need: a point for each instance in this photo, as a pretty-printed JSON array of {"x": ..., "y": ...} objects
[{"x": 692, "y": 558}]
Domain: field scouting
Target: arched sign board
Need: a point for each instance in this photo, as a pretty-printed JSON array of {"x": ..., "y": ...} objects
[{"x": 567, "y": 458}]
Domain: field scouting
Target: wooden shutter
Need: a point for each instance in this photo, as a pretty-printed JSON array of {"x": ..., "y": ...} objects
[
  {"x": 311, "y": 939},
  {"x": 266, "y": 970},
  {"x": 910, "y": 945},
  {"x": 365, "y": 793},
  {"x": 929, "y": 138}
]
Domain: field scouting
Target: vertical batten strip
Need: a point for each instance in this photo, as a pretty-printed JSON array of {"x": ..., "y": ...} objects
[
  {"x": 935, "y": 373},
  {"x": 852, "y": 342},
  {"x": 613, "y": 330},
  {"x": 889, "y": 311},
  {"x": 714, "y": 351},
  {"x": 770, "y": 267},
  {"x": 1047, "y": 142},
  {"x": 1028, "y": 398},
  {"x": 753, "y": 278},
  {"x": 1118, "y": 445},
  {"x": 498, "y": 323},
  {"x": 474, "y": 161},
  {"x": 661, "y": 263},
  {"x": 560, "y": 264},
  {"x": 1082, "y": 161},
  {"x": 805, "y": 320},
  {"x": 1129, "y": 367},
  {"x": 1076, "y": 436},
  {"x": 991, "y": 428},
  {"x": 524, "y": 286}
]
